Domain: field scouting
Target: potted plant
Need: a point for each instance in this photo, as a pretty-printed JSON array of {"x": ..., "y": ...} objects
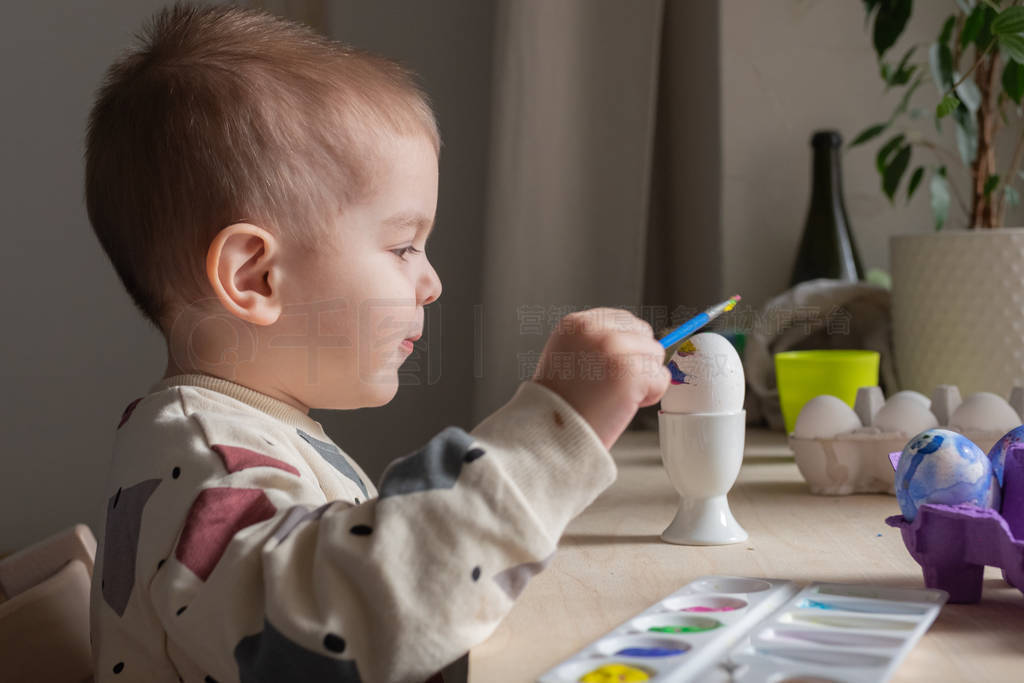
[{"x": 958, "y": 294}]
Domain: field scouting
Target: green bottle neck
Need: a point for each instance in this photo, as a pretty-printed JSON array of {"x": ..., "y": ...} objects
[{"x": 827, "y": 181}]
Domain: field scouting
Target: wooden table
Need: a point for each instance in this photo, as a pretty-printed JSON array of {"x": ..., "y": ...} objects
[{"x": 612, "y": 564}]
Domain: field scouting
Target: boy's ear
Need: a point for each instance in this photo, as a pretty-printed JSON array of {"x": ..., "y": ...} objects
[{"x": 241, "y": 265}]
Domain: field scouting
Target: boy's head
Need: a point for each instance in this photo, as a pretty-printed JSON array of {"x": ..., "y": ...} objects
[{"x": 241, "y": 169}]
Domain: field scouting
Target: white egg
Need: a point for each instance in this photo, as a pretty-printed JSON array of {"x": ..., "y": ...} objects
[
  {"x": 824, "y": 417},
  {"x": 916, "y": 395},
  {"x": 707, "y": 377},
  {"x": 984, "y": 412},
  {"x": 906, "y": 414}
]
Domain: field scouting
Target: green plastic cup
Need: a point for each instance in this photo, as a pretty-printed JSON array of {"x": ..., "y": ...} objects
[{"x": 802, "y": 375}]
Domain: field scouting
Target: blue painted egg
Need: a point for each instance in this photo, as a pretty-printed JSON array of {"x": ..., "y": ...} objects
[
  {"x": 941, "y": 466},
  {"x": 997, "y": 455}
]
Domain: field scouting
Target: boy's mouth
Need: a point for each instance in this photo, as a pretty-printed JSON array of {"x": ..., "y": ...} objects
[{"x": 407, "y": 344}]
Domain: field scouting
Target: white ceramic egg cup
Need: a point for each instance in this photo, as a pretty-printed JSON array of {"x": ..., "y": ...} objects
[{"x": 702, "y": 453}]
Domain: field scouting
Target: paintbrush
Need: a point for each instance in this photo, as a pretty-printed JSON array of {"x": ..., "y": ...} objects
[{"x": 674, "y": 339}]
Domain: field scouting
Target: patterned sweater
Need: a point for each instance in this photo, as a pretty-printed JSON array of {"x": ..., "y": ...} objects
[{"x": 241, "y": 544}]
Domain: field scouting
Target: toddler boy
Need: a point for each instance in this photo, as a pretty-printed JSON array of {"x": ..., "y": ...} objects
[{"x": 253, "y": 183}]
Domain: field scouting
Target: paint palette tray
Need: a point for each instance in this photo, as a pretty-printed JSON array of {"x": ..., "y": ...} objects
[
  {"x": 746, "y": 630},
  {"x": 680, "y": 637},
  {"x": 836, "y": 633}
]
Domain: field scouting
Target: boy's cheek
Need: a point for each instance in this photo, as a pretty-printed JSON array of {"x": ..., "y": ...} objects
[
  {"x": 389, "y": 333},
  {"x": 386, "y": 323}
]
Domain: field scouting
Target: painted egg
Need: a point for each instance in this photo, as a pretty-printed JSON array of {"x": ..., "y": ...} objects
[
  {"x": 984, "y": 412},
  {"x": 944, "y": 467},
  {"x": 997, "y": 455},
  {"x": 824, "y": 417},
  {"x": 707, "y": 377},
  {"x": 905, "y": 413}
]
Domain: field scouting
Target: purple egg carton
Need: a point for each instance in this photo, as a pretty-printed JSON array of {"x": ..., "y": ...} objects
[{"x": 954, "y": 543}]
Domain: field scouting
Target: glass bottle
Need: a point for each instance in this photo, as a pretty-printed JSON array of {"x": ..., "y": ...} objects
[{"x": 827, "y": 248}]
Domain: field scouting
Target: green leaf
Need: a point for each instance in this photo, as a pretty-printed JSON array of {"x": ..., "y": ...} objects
[
  {"x": 1013, "y": 81},
  {"x": 939, "y": 188},
  {"x": 947, "y": 106},
  {"x": 968, "y": 93},
  {"x": 869, "y": 6},
  {"x": 905, "y": 100},
  {"x": 901, "y": 76},
  {"x": 972, "y": 26},
  {"x": 966, "y": 135},
  {"x": 906, "y": 58},
  {"x": 1013, "y": 47},
  {"x": 868, "y": 133},
  {"x": 940, "y": 59},
  {"x": 882, "y": 159},
  {"x": 890, "y": 20},
  {"x": 1010, "y": 20},
  {"x": 947, "y": 29},
  {"x": 894, "y": 171},
  {"x": 990, "y": 184},
  {"x": 985, "y": 36},
  {"x": 915, "y": 180},
  {"x": 878, "y": 278},
  {"x": 1012, "y": 196}
]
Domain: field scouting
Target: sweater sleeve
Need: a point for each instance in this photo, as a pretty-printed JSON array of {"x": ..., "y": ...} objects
[{"x": 270, "y": 581}]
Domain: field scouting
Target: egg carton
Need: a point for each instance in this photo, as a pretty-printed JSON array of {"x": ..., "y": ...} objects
[
  {"x": 954, "y": 543},
  {"x": 854, "y": 459}
]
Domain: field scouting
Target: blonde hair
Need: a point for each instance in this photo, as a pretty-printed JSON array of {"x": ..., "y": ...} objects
[{"x": 223, "y": 114}]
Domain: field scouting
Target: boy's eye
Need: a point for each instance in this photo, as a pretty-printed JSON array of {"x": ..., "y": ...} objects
[{"x": 402, "y": 251}]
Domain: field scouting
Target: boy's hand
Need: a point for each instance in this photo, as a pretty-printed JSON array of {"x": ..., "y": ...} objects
[{"x": 605, "y": 363}]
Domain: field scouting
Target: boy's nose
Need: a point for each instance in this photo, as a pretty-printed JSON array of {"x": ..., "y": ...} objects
[{"x": 430, "y": 286}]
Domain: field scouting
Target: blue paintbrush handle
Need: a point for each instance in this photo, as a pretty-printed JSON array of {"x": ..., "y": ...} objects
[{"x": 685, "y": 330}]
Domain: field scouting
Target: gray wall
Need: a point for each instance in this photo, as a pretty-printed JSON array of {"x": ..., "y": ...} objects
[
  {"x": 74, "y": 351},
  {"x": 789, "y": 67}
]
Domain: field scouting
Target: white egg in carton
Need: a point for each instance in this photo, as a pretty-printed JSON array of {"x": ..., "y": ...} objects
[{"x": 840, "y": 450}]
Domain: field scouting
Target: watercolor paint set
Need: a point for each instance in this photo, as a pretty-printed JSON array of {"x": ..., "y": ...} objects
[
  {"x": 679, "y": 637},
  {"x": 751, "y": 630}
]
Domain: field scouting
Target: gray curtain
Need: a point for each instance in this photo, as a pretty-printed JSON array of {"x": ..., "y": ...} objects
[
  {"x": 573, "y": 118},
  {"x": 684, "y": 262}
]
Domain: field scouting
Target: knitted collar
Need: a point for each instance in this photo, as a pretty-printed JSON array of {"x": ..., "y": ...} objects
[{"x": 277, "y": 408}]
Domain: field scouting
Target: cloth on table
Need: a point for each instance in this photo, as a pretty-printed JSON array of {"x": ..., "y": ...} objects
[{"x": 818, "y": 314}]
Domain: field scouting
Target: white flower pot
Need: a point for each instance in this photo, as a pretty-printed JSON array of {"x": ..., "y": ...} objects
[{"x": 958, "y": 309}]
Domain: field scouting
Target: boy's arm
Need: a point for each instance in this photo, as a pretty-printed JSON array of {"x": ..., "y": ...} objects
[{"x": 397, "y": 587}]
